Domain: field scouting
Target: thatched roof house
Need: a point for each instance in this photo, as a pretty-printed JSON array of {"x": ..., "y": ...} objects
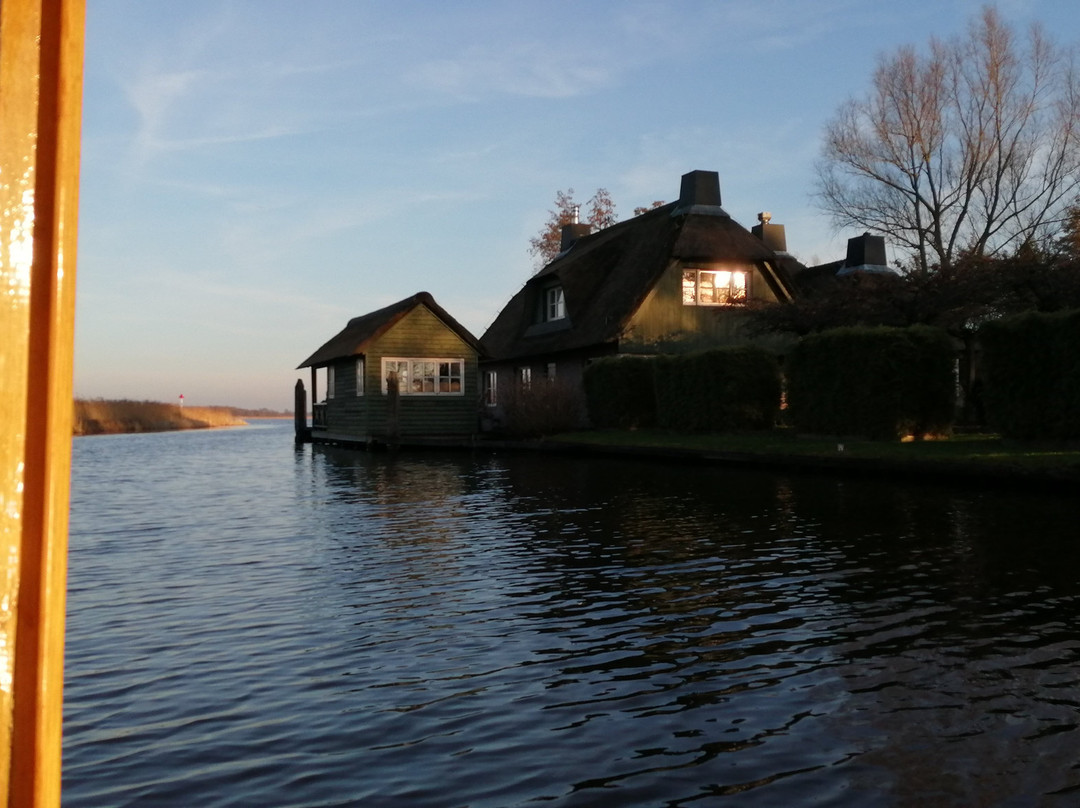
[{"x": 674, "y": 278}]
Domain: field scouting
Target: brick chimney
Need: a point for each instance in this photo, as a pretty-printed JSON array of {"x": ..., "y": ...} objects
[
  {"x": 700, "y": 193},
  {"x": 865, "y": 250},
  {"x": 573, "y": 230},
  {"x": 866, "y": 253},
  {"x": 772, "y": 234}
]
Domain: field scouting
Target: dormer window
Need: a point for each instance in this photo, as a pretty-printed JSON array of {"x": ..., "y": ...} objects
[
  {"x": 554, "y": 304},
  {"x": 708, "y": 287}
]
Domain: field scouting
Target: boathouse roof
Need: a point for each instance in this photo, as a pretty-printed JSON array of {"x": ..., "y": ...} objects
[{"x": 361, "y": 331}]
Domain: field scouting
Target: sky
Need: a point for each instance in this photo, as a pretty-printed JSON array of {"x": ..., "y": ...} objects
[{"x": 257, "y": 172}]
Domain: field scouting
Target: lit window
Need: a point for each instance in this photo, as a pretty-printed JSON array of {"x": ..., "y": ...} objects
[
  {"x": 701, "y": 287},
  {"x": 491, "y": 379},
  {"x": 424, "y": 377},
  {"x": 360, "y": 376},
  {"x": 554, "y": 304}
]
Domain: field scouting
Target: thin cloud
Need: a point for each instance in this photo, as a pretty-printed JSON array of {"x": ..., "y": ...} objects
[{"x": 529, "y": 70}]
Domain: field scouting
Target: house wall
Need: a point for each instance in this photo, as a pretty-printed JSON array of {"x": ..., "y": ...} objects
[
  {"x": 569, "y": 368},
  {"x": 419, "y": 334},
  {"x": 663, "y": 324}
]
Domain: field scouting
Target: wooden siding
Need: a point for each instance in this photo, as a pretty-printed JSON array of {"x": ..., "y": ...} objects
[
  {"x": 662, "y": 324},
  {"x": 419, "y": 334}
]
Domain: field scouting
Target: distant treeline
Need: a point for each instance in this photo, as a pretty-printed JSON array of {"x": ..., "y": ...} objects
[
  {"x": 101, "y": 417},
  {"x": 262, "y": 412}
]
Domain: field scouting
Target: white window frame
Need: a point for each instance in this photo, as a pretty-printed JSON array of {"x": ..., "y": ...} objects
[
  {"x": 695, "y": 292},
  {"x": 426, "y": 375},
  {"x": 359, "y": 376},
  {"x": 491, "y": 384},
  {"x": 525, "y": 377},
  {"x": 554, "y": 304}
]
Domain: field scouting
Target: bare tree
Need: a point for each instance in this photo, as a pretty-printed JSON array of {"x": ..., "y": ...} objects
[
  {"x": 972, "y": 148},
  {"x": 646, "y": 208},
  {"x": 601, "y": 210},
  {"x": 600, "y": 214},
  {"x": 1068, "y": 243}
]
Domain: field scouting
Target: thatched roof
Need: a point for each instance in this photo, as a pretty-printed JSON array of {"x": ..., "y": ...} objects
[
  {"x": 606, "y": 276},
  {"x": 360, "y": 332}
]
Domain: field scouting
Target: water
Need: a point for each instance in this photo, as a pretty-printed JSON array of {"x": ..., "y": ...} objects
[{"x": 254, "y": 625}]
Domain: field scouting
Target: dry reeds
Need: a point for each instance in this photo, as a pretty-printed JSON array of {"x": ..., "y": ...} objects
[{"x": 101, "y": 417}]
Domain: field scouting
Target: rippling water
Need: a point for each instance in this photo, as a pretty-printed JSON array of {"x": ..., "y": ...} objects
[{"x": 254, "y": 625}]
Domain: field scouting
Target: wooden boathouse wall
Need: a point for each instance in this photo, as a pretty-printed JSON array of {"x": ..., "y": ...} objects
[{"x": 420, "y": 333}]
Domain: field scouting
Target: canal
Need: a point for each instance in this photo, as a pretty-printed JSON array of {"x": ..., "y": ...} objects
[{"x": 252, "y": 624}]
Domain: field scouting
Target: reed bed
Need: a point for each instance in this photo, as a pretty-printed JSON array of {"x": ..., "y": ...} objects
[{"x": 102, "y": 417}]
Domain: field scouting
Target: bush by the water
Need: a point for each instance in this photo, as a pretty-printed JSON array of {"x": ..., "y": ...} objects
[
  {"x": 723, "y": 390},
  {"x": 100, "y": 417},
  {"x": 545, "y": 407},
  {"x": 620, "y": 392},
  {"x": 1031, "y": 375},
  {"x": 880, "y": 383}
]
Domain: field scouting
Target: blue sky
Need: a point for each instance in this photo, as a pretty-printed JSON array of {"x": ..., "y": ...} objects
[{"x": 256, "y": 172}]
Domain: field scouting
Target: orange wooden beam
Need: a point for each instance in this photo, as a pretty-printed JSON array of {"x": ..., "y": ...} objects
[{"x": 41, "y": 63}]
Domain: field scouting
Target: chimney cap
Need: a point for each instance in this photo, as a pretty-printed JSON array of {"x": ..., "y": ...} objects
[{"x": 764, "y": 217}]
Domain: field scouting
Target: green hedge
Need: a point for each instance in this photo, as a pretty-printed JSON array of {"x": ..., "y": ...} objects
[
  {"x": 1031, "y": 375},
  {"x": 880, "y": 383},
  {"x": 619, "y": 392},
  {"x": 713, "y": 391}
]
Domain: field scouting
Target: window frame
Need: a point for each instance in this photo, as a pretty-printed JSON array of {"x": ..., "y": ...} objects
[
  {"x": 736, "y": 295},
  {"x": 491, "y": 387},
  {"x": 360, "y": 376},
  {"x": 554, "y": 304},
  {"x": 429, "y": 383},
  {"x": 331, "y": 382}
]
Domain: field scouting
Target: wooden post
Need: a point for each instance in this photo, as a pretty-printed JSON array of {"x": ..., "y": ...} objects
[
  {"x": 41, "y": 58},
  {"x": 393, "y": 409},
  {"x": 303, "y": 434}
]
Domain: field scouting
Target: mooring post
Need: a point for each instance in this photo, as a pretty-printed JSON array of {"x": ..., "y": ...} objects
[{"x": 303, "y": 432}]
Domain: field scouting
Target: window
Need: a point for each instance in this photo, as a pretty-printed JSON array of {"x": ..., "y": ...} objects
[
  {"x": 425, "y": 377},
  {"x": 551, "y": 371},
  {"x": 525, "y": 377},
  {"x": 360, "y": 376},
  {"x": 330, "y": 382},
  {"x": 706, "y": 287},
  {"x": 554, "y": 304},
  {"x": 491, "y": 379}
]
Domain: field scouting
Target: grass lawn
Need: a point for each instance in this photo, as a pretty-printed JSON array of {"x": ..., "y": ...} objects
[{"x": 975, "y": 451}]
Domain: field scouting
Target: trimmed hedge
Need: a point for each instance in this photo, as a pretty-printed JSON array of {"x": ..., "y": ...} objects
[
  {"x": 1031, "y": 375},
  {"x": 714, "y": 391},
  {"x": 880, "y": 383},
  {"x": 619, "y": 392}
]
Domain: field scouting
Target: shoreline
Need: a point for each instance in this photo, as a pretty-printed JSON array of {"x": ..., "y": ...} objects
[{"x": 982, "y": 460}]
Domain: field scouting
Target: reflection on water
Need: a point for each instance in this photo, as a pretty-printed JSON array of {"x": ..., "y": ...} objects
[{"x": 319, "y": 627}]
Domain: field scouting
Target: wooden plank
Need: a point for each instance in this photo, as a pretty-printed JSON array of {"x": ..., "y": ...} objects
[{"x": 41, "y": 58}]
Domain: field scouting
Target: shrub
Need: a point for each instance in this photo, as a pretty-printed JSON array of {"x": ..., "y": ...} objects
[
  {"x": 619, "y": 392},
  {"x": 546, "y": 407},
  {"x": 727, "y": 389},
  {"x": 880, "y": 383},
  {"x": 1031, "y": 374}
]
